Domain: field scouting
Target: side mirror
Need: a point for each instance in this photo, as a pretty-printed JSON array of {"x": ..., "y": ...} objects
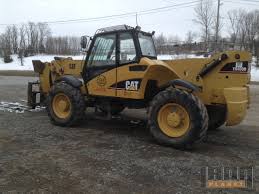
[{"x": 84, "y": 42}]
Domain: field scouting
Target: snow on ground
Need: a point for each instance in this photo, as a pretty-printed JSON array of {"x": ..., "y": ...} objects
[
  {"x": 27, "y": 62},
  {"x": 17, "y": 107},
  {"x": 180, "y": 56},
  {"x": 255, "y": 74},
  {"x": 16, "y": 64},
  {"x": 254, "y": 70}
]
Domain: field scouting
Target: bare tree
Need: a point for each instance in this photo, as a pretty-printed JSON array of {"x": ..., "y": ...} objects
[
  {"x": 63, "y": 45},
  {"x": 243, "y": 29},
  {"x": 251, "y": 23},
  {"x": 14, "y": 38},
  {"x": 160, "y": 42},
  {"x": 217, "y": 29},
  {"x": 173, "y": 39},
  {"x": 32, "y": 37},
  {"x": 190, "y": 36},
  {"x": 74, "y": 43},
  {"x": 22, "y": 44},
  {"x": 44, "y": 32},
  {"x": 22, "y": 33},
  {"x": 205, "y": 16},
  {"x": 1, "y": 45},
  {"x": 7, "y": 41},
  {"x": 234, "y": 21}
]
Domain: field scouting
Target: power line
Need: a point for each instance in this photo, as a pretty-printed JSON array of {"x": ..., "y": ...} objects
[
  {"x": 133, "y": 14},
  {"x": 128, "y": 14},
  {"x": 254, "y": 1},
  {"x": 242, "y": 3}
]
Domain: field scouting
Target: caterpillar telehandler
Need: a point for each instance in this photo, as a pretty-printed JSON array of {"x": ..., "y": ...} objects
[{"x": 183, "y": 97}]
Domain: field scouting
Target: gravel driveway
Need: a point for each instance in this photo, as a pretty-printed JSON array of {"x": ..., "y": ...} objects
[{"x": 117, "y": 156}]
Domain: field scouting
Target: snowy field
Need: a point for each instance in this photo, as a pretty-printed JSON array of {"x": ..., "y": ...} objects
[
  {"x": 180, "y": 56},
  {"x": 16, "y": 64},
  {"x": 27, "y": 62},
  {"x": 254, "y": 71}
]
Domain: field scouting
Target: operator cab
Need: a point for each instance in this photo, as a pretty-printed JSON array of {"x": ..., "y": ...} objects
[{"x": 115, "y": 46}]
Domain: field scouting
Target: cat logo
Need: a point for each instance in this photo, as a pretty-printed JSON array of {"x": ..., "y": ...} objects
[
  {"x": 132, "y": 85},
  {"x": 101, "y": 80}
]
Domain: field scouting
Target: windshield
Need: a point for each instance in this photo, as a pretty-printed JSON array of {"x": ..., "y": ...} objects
[{"x": 147, "y": 45}]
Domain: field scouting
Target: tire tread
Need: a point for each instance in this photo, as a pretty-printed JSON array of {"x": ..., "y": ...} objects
[{"x": 199, "y": 119}]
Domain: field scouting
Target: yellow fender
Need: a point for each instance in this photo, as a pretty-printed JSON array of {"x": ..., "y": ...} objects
[{"x": 237, "y": 104}]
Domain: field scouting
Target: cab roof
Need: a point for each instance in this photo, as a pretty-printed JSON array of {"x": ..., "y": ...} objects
[
  {"x": 119, "y": 28},
  {"x": 114, "y": 28}
]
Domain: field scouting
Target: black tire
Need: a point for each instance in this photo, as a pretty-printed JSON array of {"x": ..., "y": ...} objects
[
  {"x": 217, "y": 116},
  {"x": 115, "y": 109},
  {"x": 77, "y": 101},
  {"x": 194, "y": 107}
]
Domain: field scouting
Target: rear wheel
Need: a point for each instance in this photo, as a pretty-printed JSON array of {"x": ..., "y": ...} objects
[
  {"x": 177, "y": 118},
  {"x": 65, "y": 105}
]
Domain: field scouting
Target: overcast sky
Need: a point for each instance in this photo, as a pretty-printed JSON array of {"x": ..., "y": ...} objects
[{"x": 174, "y": 21}]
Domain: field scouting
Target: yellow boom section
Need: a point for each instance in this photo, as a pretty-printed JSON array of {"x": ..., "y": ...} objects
[{"x": 50, "y": 72}]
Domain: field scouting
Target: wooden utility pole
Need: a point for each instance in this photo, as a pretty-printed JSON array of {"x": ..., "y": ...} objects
[
  {"x": 257, "y": 52},
  {"x": 136, "y": 18},
  {"x": 217, "y": 23}
]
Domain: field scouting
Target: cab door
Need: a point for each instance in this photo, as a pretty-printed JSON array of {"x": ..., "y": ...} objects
[
  {"x": 101, "y": 66},
  {"x": 129, "y": 72}
]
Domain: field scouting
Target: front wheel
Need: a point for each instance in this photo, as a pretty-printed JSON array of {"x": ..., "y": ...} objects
[
  {"x": 65, "y": 105},
  {"x": 177, "y": 118}
]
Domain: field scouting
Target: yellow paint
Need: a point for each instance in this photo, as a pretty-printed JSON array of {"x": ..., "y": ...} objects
[
  {"x": 237, "y": 103},
  {"x": 55, "y": 69},
  {"x": 61, "y": 106},
  {"x": 102, "y": 88},
  {"x": 173, "y": 120},
  {"x": 217, "y": 88},
  {"x": 226, "y": 184}
]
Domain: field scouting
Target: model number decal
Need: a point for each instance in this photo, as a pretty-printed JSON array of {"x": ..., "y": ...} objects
[
  {"x": 239, "y": 67},
  {"x": 236, "y": 67},
  {"x": 132, "y": 85}
]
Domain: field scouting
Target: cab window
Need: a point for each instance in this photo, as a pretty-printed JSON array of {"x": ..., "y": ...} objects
[
  {"x": 147, "y": 45},
  {"x": 103, "y": 51},
  {"x": 127, "y": 48}
]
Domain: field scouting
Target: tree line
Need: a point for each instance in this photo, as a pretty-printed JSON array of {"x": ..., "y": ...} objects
[
  {"x": 35, "y": 38},
  {"x": 238, "y": 30}
]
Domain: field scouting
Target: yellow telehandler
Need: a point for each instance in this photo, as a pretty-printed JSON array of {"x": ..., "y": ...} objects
[{"x": 183, "y": 97}]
